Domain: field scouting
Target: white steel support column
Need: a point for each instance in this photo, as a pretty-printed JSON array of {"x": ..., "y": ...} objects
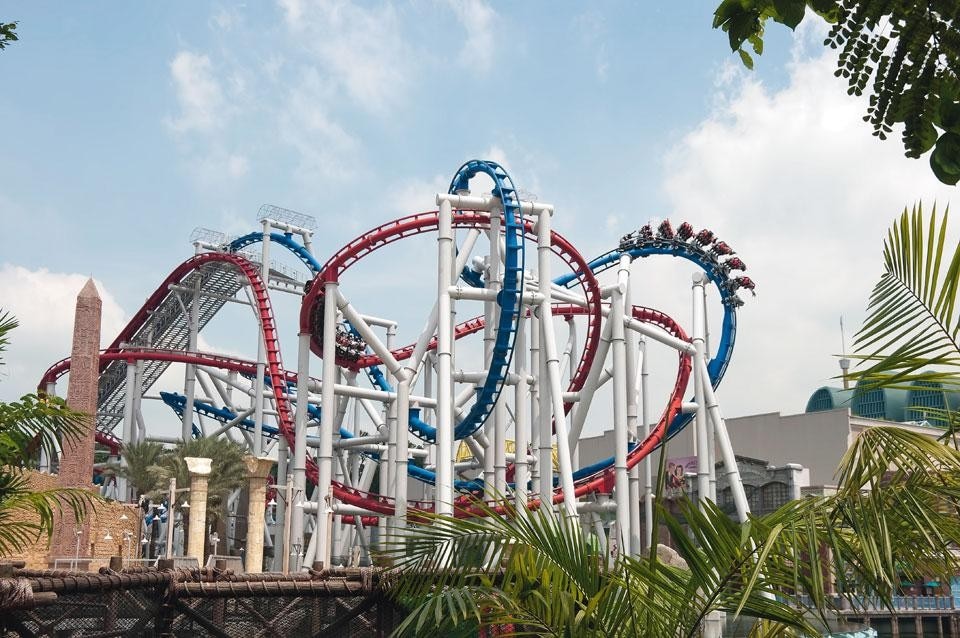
[
  {"x": 394, "y": 428},
  {"x": 730, "y": 468},
  {"x": 521, "y": 428},
  {"x": 300, "y": 434},
  {"x": 128, "y": 426},
  {"x": 633, "y": 389},
  {"x": 648, "y": 461},
  {"x": 189, "y": 384},
  {"x": 544, "y": 423},
  {"x": 702, "y": 442},
  {"x": 390, "y": 486},
  {"x": 280, "y": 513},
  {"x": 538, "y": 469},
  {"x": 328, "y": 414},
  {"x": 139, "y": 430},
  {"x": 231, "y": 382},
  {"x": 171, "y": 515},
  {"x": 619, "y": 347},
  {"x": 423, "y": 341},
  {"x": 403, "y": 440},
  {"x": 445, "y": 247},
  {"x": 591, "y": 385},
  {"x": 549, "y": 345}
]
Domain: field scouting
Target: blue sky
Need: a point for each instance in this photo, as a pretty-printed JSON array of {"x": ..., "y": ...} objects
[{"x": 126, "y": 125}]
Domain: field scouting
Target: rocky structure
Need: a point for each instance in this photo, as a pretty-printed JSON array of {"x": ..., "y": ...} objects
[{"x": 76, "y": 460}]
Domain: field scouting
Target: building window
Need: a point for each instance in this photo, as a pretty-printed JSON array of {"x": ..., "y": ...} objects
[{"x": 773, "y": 495}]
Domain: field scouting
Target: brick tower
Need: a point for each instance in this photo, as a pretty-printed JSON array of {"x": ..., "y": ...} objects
[{"x": 76, "y": 461}]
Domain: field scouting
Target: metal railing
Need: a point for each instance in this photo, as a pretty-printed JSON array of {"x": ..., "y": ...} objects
[{"x": 897, "y": 603}]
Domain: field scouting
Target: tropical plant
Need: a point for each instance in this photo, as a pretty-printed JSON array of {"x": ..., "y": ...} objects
[
  {"x": 32, "y": 425},
  {"x": 142, "y": 467},
  {"x": 910, "y": 333},
  {"x": 895, "y": 512},
  {"x": 908, "y": 53},
  {"x": 228, "y": 471}
]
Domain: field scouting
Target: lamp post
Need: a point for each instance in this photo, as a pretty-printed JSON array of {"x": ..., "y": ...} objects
[
  {"x": 128, "y": 537},
  {"x": 172, "y": 513},
  {"x": 76, "y": 555},
  {"x": 215, "y": 541}
]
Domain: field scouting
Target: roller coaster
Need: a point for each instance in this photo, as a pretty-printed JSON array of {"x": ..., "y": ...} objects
[{"x": 434, "y": 411}]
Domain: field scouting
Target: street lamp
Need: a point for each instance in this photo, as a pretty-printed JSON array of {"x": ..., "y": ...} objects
[
  {"x": 172, "y": 499},
  {"x": 76, "y": 555},
  {"x": 128, "y": 537}
]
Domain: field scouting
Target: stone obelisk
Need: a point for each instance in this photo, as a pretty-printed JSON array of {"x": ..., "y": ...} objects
[{"x": 76, "y": 459}]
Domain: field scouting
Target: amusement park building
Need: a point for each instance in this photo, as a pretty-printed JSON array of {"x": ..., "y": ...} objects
[{"x": 814, "y": 440}]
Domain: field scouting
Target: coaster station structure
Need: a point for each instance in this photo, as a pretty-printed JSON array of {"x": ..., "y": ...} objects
[{"x": 382, "y": 415}]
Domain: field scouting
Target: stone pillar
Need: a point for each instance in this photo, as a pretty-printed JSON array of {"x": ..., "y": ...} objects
[
  {"x": 258, "y": 468},
  {"x": 76, "y": 459},
  {"x": 199, "y": 469}
]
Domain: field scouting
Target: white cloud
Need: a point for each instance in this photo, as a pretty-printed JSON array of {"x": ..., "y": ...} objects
[
  {"x": 43, "y": 302},
  {"x": 199, "y": 94},
  {"x": 477, "y": 18},
  {"x": 794, "y": 180},
  {"x": 237, "y": 165},
  {"x": 360, "y": 47},
  {"x": 326, "y": 150},
  {"x": 416, "y": 195}
]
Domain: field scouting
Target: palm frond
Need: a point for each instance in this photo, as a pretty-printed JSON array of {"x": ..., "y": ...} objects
[
  {"x": 25, "y": 515},
  {"x": 35, "y": 423},
  {"x": 7, "y": 323},
  {"x": 912, "y": 320},
  {"x": 141, "y": 467}
]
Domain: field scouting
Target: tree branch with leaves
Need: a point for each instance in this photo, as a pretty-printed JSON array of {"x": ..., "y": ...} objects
[
  {"x": 8, "y": 34},
  {"x": 905, "y": 55}
]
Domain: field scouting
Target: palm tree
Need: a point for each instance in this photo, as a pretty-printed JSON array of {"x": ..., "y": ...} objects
[
  {"x": 142, "y": 467},
  {"x": 28, "y": 427},
  {"x": 227, "y": 474}
]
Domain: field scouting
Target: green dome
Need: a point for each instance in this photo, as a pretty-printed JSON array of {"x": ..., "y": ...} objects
[
  {"x": 827, "y": 398},
  {"x": 926, "y": 395},
  {"x": 888, "y": 404}
]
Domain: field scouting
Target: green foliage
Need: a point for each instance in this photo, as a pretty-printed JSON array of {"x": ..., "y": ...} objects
[
  {"x": 8, "y": 34},
  {"x": 905, "y": 55},
  {"x": 895, "y": 513},
  {"x": 228, "y": 471},
  {"x": 27, "y": 426},
  {"x": 142, "y": 467},
  {"x": 910, "y": 333}
]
